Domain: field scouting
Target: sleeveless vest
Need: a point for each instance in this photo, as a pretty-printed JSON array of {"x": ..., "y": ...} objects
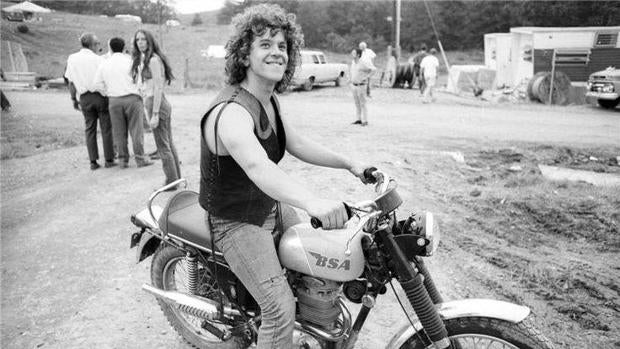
[{"x": 225, "y": 189}]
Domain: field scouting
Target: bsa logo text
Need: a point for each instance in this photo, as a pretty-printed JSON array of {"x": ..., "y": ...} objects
[{"x": 331, "y": 263}]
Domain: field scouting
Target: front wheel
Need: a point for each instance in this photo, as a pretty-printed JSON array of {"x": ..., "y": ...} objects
[
  {"x": 608, "y": 103},
  {"x": 481, "y": 332},
  {"x": 169, "y": 272}
]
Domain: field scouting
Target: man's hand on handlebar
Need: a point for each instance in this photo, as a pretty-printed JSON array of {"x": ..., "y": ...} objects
[
  {"x": 364, "y": 173},
  {"x": 332, "y": 214}
]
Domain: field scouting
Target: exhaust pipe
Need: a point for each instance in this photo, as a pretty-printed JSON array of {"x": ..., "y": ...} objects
[{"x": 192, "y": 305}]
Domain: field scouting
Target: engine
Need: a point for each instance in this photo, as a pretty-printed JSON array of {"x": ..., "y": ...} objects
[{"x": 316, "y": 299}]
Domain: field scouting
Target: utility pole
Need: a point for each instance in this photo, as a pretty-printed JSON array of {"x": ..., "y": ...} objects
[
  {"x": 161, "y": 41},
  {"x": 397, "y": 28}
]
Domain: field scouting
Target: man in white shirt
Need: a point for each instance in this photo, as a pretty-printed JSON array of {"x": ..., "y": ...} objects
[
  {"x": 80, "y": 73},
  {"x": 125, "y": 103},
  {"x": 360, "y": 73},
  {"x": 367, "y": 58},
  {"x": 428, "y": 69}
]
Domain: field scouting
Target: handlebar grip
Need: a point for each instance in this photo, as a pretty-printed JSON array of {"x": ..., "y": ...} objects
[
  {"x": 368, "y": 175},
  {"x": 316, "y": 223}
]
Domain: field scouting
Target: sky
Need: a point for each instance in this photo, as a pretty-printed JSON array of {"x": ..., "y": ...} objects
[{"x": 192, "y": 6}]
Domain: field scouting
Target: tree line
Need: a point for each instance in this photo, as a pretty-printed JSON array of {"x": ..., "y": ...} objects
[
  {"x": 149, "y": 11},
  {"x": 339, "y": 25}
]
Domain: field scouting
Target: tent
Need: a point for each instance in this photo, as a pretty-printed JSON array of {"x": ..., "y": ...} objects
[{"x": 26, "y": 6}]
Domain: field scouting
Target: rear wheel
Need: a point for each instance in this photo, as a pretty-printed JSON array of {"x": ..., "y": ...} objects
[
  {"x": 307, "y": 86},
  {"x": 608, "y": 104},
  {"x": 487, "y": 333},
  {"x": 169, "y": 272}
]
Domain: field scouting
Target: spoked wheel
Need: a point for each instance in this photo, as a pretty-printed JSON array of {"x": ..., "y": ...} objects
[
  {"x": 487, "y": 333},
  {"x": 169, "y": 272}
]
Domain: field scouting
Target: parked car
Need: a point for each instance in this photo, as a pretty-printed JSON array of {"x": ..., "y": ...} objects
[
  {"x": 315, "y": 70},
  {"x": 604, "y": 86}
]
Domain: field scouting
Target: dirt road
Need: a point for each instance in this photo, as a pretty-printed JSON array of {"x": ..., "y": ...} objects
[{"x": 69, "y": 279}]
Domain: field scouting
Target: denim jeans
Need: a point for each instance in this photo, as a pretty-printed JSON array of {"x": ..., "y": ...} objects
[
  {"x": 163, "y": 139},
  {"x": 251, "y": 254}
]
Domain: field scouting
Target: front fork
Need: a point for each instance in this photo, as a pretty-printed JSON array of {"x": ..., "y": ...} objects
[{"x": 419, "y": 288}]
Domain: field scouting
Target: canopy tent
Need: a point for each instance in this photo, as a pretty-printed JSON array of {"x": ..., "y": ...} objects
[{"x": 26, "y": 6}]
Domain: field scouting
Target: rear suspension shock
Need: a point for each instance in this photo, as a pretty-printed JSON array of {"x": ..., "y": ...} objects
[{"x": 191, "y": 264}]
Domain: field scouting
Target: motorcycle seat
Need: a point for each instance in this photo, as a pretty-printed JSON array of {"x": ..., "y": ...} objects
[{"x": 183, "y": 217}]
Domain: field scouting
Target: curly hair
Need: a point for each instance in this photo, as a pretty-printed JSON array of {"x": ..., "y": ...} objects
[{"x": 254, "y": 22}]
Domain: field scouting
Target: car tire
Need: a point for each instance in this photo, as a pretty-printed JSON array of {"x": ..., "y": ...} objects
[
  {"x": 608, "y": 104},
  {"x": 307, "y": 86},
  {"x": 339, "y": 80}
]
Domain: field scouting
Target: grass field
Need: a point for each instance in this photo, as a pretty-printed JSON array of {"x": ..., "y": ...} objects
[{"x": 49, "y": 42}]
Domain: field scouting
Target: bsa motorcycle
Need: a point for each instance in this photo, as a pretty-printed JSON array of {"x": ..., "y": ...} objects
[{"x": 210, "y": 308}]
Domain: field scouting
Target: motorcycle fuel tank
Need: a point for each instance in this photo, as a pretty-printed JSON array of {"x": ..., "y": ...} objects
[{"x": 322, "y": 253}]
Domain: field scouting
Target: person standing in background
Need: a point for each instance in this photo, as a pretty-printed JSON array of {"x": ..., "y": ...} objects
[
  {"x": 125, "y": 103},
  {"x": 151, "y": 71},
  {"x": 417, "y": 59},
  {"x": 429, "y": 66},
  {"x": 368, "y": 56},
  {"x": 360, "y": 73},
  {"x": 80, "y": 74}
]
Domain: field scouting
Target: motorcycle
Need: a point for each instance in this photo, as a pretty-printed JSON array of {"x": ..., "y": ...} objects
[{"x": 210, "y": 308}]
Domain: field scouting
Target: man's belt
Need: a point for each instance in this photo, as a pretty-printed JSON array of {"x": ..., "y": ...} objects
[{"x": 359, "y": 84}]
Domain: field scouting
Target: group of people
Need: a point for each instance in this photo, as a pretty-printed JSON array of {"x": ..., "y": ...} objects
[
  {"x": 121, "y": 91},
  {"x": 425, "y": 66}
]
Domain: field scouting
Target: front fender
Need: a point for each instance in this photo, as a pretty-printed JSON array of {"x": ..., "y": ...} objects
[{"x": 464, "y": 308}]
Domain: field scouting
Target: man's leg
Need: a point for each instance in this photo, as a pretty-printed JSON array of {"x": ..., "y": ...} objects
[
  {"x": 106, "y": 130},
  {"x": 358, "y": 106},
  {"x": 251, "y": 253},
  {"x": 363, "y": 106},
  {"x": 89, "y": 110},
  {"x": 119, "y": 128}
]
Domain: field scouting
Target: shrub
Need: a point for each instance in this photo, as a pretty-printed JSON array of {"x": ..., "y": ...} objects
[
  {"x": 22, "y": 28},
  {"x": 197, "y": 20}
]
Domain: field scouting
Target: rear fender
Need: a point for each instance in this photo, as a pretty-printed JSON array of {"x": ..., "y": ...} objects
[
  {"x": 464, "y": 308},
  {"x": 148, "y": 245}
]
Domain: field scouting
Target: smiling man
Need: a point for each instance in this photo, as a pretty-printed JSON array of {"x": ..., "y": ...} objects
[{"x": 245, "y": 192}]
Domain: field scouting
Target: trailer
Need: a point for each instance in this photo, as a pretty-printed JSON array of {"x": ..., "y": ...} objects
[{"x": 576, "y": 51}]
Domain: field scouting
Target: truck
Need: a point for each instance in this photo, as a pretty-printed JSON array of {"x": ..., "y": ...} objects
[
  {"x": 315, "y": 69},
  {"x": 604, "y": 86}
]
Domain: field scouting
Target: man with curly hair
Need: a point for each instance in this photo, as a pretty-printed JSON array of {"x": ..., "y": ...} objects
[{"x": 244, "y": 135}]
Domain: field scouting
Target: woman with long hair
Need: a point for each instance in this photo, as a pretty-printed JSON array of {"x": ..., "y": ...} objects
[{"x": 151, "y": 71}]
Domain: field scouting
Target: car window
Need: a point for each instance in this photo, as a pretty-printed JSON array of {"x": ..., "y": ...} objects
[
  {"x": 322, "y": 59},
  {"x": 315, "y": 59}
]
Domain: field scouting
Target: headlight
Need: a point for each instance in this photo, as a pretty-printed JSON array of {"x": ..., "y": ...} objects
[{"x": 607, "y": 88}]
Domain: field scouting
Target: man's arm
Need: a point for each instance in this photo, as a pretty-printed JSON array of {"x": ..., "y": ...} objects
[
  {"x": 236, "y": 133},
  {"x": 69, "y": 80},
  {"x": 73, "y": 92}
]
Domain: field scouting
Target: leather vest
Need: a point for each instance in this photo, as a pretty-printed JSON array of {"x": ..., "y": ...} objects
[{"x": 225, "y": 189}]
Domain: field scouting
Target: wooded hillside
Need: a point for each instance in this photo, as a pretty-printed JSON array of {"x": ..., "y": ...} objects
[{"x": 339, "y": 25}]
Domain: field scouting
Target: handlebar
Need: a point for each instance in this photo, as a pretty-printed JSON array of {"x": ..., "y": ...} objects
[{"x": 372, "y": 175}]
